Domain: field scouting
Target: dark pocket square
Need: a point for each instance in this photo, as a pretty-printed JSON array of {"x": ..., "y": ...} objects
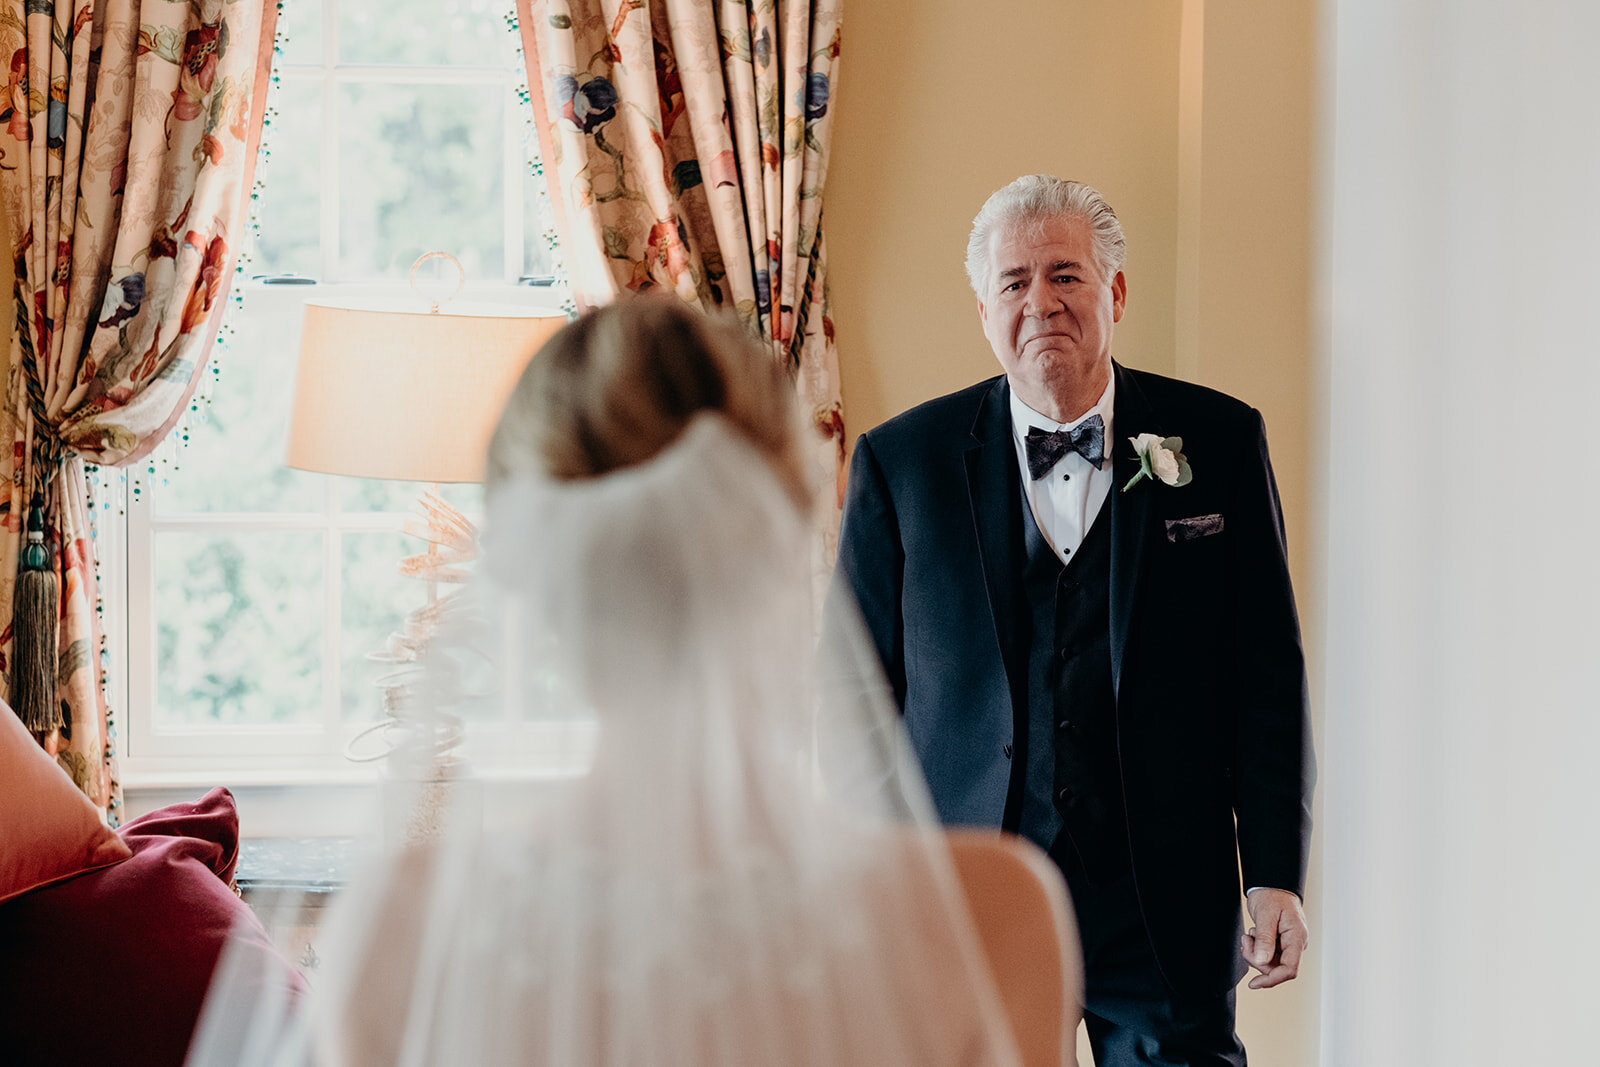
[{"x": 1189, "y": 529}]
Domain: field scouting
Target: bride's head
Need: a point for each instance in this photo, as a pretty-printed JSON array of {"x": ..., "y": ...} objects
[
  {"x": 646, "y": 506},
  {"x": 619, "y": 385}
]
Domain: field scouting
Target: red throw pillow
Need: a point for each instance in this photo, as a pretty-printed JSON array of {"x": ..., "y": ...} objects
[
  {"x": 113, "y": 966},
  {"x": 48, "y": 829}
]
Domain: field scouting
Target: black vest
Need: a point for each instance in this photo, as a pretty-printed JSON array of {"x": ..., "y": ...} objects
[{"x": 1072, "y": 791}]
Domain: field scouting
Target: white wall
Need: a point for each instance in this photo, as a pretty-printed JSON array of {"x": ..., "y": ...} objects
[{"x": 1464, "y": 714}]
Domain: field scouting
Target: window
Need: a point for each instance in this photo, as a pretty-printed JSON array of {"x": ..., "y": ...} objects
[{"x": 241, "y": 596}]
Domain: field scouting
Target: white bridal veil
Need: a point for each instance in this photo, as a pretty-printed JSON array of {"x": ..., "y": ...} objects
[{"x": 736, "y": 879}]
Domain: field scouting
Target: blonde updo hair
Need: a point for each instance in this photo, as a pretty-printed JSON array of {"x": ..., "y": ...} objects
[{"x": 619, "y": 384}]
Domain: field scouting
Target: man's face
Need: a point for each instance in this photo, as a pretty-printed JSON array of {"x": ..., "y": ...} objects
[{"x": 1050, "y": 311}]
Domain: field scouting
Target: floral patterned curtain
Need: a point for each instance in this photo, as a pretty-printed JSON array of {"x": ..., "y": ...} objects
[
  {"x": 686, "y": 145},
  {"x": 128, "y": 148}
]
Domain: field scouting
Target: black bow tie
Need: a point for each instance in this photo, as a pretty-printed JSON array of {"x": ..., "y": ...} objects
[{"x": 1046, "y": 447}]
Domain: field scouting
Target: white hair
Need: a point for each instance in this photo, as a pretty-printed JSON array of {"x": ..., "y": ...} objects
[{"x": 1034, "y": 198}]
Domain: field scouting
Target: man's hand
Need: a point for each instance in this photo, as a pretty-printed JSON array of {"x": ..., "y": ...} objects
[{"x": 1277, "y": 939}]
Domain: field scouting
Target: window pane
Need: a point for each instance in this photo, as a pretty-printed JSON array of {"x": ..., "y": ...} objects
[
  {"x": 291, "y": 182},
  {"x": 300, "y": 31},
  {"x": 470, "y": 32},
  {"x": 375, "y": 599},
  {"x": 239, "y": 628},
  {"x": 234, "y": 458},
  {"x": 420, "y": 169},
  {"x": 374, "y": 494}
]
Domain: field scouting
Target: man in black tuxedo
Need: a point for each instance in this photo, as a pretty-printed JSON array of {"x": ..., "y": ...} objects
[{"x": 1094, "y": 641}]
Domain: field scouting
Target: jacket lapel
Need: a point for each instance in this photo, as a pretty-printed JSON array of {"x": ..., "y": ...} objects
[
  {"x": 994, "y": 487},
  {"x": 1130, "y": 512}
]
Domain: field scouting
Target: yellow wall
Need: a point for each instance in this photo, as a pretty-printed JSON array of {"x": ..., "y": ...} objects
[
  {"x": 1194, "y": 117},
  {"x": 942, "y": 105},
  {"x": 1257, "y": 149}
]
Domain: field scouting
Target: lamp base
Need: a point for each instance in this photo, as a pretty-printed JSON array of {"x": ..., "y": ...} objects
[
  {"x": 418, "y": 808},
  {"x": 452, "y": 540}
]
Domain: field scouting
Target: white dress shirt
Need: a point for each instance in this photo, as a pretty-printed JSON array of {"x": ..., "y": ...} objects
[{"x": 1069, "y": 496}]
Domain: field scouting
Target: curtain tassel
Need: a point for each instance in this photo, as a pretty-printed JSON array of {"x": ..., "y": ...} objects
[{"x": 35, "y": 611}]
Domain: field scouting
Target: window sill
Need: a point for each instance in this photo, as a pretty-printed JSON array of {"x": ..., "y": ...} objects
[
  {"x": 235, "y": 779},
  {"x": 334, "y": 799},
  {"x": 268, "y": 805}
]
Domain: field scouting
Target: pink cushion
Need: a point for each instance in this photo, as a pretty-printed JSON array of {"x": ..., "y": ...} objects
[
  {"x": 112, "y": 966},
  {"x": 48, "y": 829}
]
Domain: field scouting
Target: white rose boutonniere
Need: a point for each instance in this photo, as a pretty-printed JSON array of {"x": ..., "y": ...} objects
[{"x": 1161, "y": 459}]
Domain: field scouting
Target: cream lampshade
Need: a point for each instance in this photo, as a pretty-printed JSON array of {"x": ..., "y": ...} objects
[{"x": 397, "y": 391}]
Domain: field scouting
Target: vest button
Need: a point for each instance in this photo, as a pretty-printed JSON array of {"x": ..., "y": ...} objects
[
  {"x": 1065, "y": 652},
  {"x": 1067, "y": 725},
  {"x": 1007, "y": 750},
  {"x": 1065, "y": 793}
]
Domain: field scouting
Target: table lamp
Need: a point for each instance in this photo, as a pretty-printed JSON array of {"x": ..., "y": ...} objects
[{"x": 408, "y": 389}]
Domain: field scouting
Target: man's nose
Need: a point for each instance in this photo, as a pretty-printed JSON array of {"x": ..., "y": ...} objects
[{"x": 1042, "y": 302}]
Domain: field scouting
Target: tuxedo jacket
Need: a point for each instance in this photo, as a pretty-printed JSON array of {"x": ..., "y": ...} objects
[{"x": 1212, "y": 731}]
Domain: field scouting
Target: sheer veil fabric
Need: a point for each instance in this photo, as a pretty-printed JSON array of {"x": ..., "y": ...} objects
[{"x": 749, "y": 871}]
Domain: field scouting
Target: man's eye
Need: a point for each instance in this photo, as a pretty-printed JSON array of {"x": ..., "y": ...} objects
[
  {"x": 1013, "y": 287},
  {"x": 1066, "y": 277}
]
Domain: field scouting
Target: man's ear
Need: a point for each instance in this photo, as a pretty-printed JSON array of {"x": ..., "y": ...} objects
[
  {"x": 983, "y": 313},
  {"x": 1119, "y": 296}
]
